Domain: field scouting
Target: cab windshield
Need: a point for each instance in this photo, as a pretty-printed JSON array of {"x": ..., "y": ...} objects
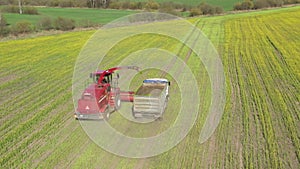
[{"x": 107, "y": 78}]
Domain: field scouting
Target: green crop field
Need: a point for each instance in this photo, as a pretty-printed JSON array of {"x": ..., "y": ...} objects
[
  {"x": 227, "y": 5},
  {"x": 259, "y": 128},
  {"x": 98, "y": 16}
]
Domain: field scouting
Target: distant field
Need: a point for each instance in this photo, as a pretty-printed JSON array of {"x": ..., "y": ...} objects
[
  {"x": 98, "y": 16},
  {"x": 226, "y": 4},
  {"x": 260, "y": 127}
]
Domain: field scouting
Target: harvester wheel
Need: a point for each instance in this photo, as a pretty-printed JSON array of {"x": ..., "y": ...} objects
[
  {"x": 107, "y": 115},
  {"x": 117, "y": 102}
]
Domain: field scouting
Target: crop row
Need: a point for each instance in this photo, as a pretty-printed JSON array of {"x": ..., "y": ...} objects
[
  {"x": 262, "y": 77},
  {"x": 34, "y": 106}
]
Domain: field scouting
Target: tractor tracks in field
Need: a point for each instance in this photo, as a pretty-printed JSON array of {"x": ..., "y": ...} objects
[
  {"x": 290, "y": 89},
  {"x": 126, "y": 129},
  {"x": 189, "y": 53},
  {"x": 170, "y": 66},
  {"x": 233, "y": 109},
  {"x": 283, "y": 100}
]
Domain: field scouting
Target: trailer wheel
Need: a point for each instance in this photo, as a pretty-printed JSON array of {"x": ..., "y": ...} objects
[
  {"x": 75, "y": 116},
  {"x": 117, "y": 102},
  {"x": 133, "y": 113},
  {"x": 160, "y": 118}
]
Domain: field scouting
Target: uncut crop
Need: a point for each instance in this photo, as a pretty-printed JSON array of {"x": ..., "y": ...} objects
[
  {"x": 259, "y": 127},
  {"x": 261, "y": 56}
]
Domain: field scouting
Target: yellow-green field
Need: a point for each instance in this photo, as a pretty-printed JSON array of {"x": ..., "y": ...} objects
[{"x": 260, "y": 127}]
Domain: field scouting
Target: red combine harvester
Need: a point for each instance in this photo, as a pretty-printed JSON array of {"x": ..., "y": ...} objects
[{"x": 103, "y": 96}]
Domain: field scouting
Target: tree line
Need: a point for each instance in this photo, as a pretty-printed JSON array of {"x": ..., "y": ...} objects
[{"x": 258, "y": 4}]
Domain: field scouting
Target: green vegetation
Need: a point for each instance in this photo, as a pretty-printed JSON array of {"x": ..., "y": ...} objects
[
  {"x": 250, "y": 4},
  {"x": 22, "y": 27},
  {"x": 268, "y": 107},
  {"x": 59, "y": 18},
  {"x": 45, "y": 18},
  {"x": 132, "y": 4},
  {"x": 206, "y": 9},
  {"x": 227, "y": 5},
  {"x": 15, "y": 9},
  {"x": 3, "y": 26},
  {"x": 259, "y": 128},
  {"x": 97, "y": 16}
]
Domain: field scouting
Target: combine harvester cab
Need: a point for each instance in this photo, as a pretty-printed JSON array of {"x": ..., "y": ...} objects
[
  {"x": 98, "y": 98},
  {"x": 151, "y": 98},
  {"x": 103, "y": 96}
]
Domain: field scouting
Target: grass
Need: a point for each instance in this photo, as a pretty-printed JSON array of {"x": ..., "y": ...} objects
[
  {"x": 259, "y": 128},
  {"x": 80, "y": 15}
]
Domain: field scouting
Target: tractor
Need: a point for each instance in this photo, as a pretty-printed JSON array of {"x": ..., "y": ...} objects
[{"x": 103, "y": 96}]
